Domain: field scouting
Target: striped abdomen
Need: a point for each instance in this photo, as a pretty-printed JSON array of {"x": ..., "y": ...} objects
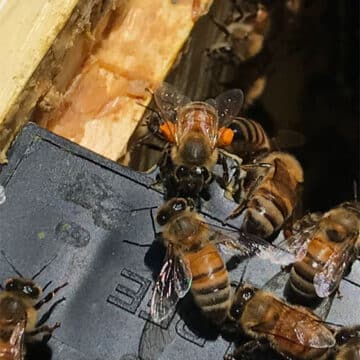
[
  {"x": 274, "y": 200},
  {"x": 249, "y": 140},
  {"x": 210, "y": 282},
  {"x": 302, "y": 273}
]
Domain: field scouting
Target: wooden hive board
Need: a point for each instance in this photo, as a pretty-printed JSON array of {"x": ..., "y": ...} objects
[{"x": 93, "y": 100}]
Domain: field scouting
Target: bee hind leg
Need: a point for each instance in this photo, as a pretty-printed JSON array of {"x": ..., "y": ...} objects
[{"x": 242, "y": 352}]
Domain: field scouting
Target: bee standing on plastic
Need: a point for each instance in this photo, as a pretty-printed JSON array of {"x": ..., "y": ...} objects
[
  {"x": 292, "y": 331},
  {"x": 193, "y": 261},
  {"x": 269, "y": 192},
  {"x": 20, "y": 300},
  {"x": 330, "y": 243},
  {"x": 194, "y": 137}
]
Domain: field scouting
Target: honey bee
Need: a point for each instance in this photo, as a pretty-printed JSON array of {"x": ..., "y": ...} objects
[
  {"x": 327, "y": 245},
  {"x": 348, "y": 343},
  {"x": 269, "y": 192},
  {"x": 19, "y": 304},
  {"x": 191, "y": 128},
  {"x": 193, "y": 261},
  {"x": 292, "y": 331},
  {"x": 245, "y": 34}
]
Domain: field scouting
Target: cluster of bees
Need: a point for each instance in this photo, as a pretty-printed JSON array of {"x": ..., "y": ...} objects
[
  {"x": 265, "y": 182},
  {"x": 319, "y": 248}
]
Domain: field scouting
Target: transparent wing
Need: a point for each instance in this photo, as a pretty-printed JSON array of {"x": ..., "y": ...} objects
[
  {"x": 228, "y": 104},
  {"x": 302, "y": 232},
  {"x": 326, "y": 280},
  {"x": 169, "y": 99},
  {"x": 153, "y": 341},
  {"x": 299, "y": 242},
  {"x": 309, "y": 331},
  {"x": 314, "y": 334},
  {"x": 173, "y": 283},
  {"x": 242, "y": 244}
]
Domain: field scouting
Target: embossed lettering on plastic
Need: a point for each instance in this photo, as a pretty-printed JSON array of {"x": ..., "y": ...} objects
[
  {"x": 183, "y": 331},
  {"x": 164, "y": 324},
  {"x": 127, "y": 298}
]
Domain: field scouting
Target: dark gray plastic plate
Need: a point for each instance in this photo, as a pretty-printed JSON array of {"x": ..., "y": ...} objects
[{"x": 62, "y": 199}]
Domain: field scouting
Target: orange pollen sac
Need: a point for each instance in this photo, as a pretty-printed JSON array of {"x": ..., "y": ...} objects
[
  {"x": 225, "y": 136},
  {"x": 168, "y": 130}
]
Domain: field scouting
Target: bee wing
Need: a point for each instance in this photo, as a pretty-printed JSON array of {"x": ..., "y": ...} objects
[
  {"x": 309, "y": 332},
  {"x": 314, "y": 334},
  {"x": 169, "y": 99},
  {"x": 298, "y": 242},
  {"x": 229, "y": 103},
  {"x": 153, "y": 341},
  {"x": 242, "y": 244},
  {"x": 17, "y": 340},
  {"x": 173, "y": 283},
  {"x": 326, "y": 280}
]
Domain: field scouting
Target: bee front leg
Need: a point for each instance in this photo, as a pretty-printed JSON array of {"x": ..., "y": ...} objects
[
  {"x": 246, "y": 349},
  {"x": 338, "y": 294},
  {"x": 45, "y": 329},
  {"x": 232, "y": 184}
]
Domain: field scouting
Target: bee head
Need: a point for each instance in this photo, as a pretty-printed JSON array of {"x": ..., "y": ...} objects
[
  {"x": 23, "y": 287},
  {"x": 345, "y": 335},
  {"x": 242, "y": 295},
  {"x": 170, "y": 209}
]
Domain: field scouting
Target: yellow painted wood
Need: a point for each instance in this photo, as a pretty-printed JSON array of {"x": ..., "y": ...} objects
[{"x": 27, "y": 30}]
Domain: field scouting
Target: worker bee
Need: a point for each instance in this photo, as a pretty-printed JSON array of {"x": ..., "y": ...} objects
[
  {"x": 19, "y": 305},
  {"x": 348, "y": 343},
  {"x": 192, "y": 131},
  {"x": 193, "y": 261},
  {"x": 329, "y": 245},
  {"x": 269, "y": 192},
  {"x": 245, "y": 33},
  {"x": 292, "y": 331}
]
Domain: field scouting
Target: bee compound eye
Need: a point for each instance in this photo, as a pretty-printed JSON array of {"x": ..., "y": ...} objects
[
  {"x": 235, "y": 311},
  {"x": 162, "y": 218},
  {"x": 179, "y": 205},
  {"x": 181, "y": 171}
]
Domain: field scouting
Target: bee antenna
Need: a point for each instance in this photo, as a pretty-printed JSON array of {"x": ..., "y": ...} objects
[
  {"x": 144, "y": 208},
  {"x": 11, "y": 265},
  {"x": 44, "y": 267},
  {"x": 241, "y": 282},
  {"x": 150, "y": 108}
]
